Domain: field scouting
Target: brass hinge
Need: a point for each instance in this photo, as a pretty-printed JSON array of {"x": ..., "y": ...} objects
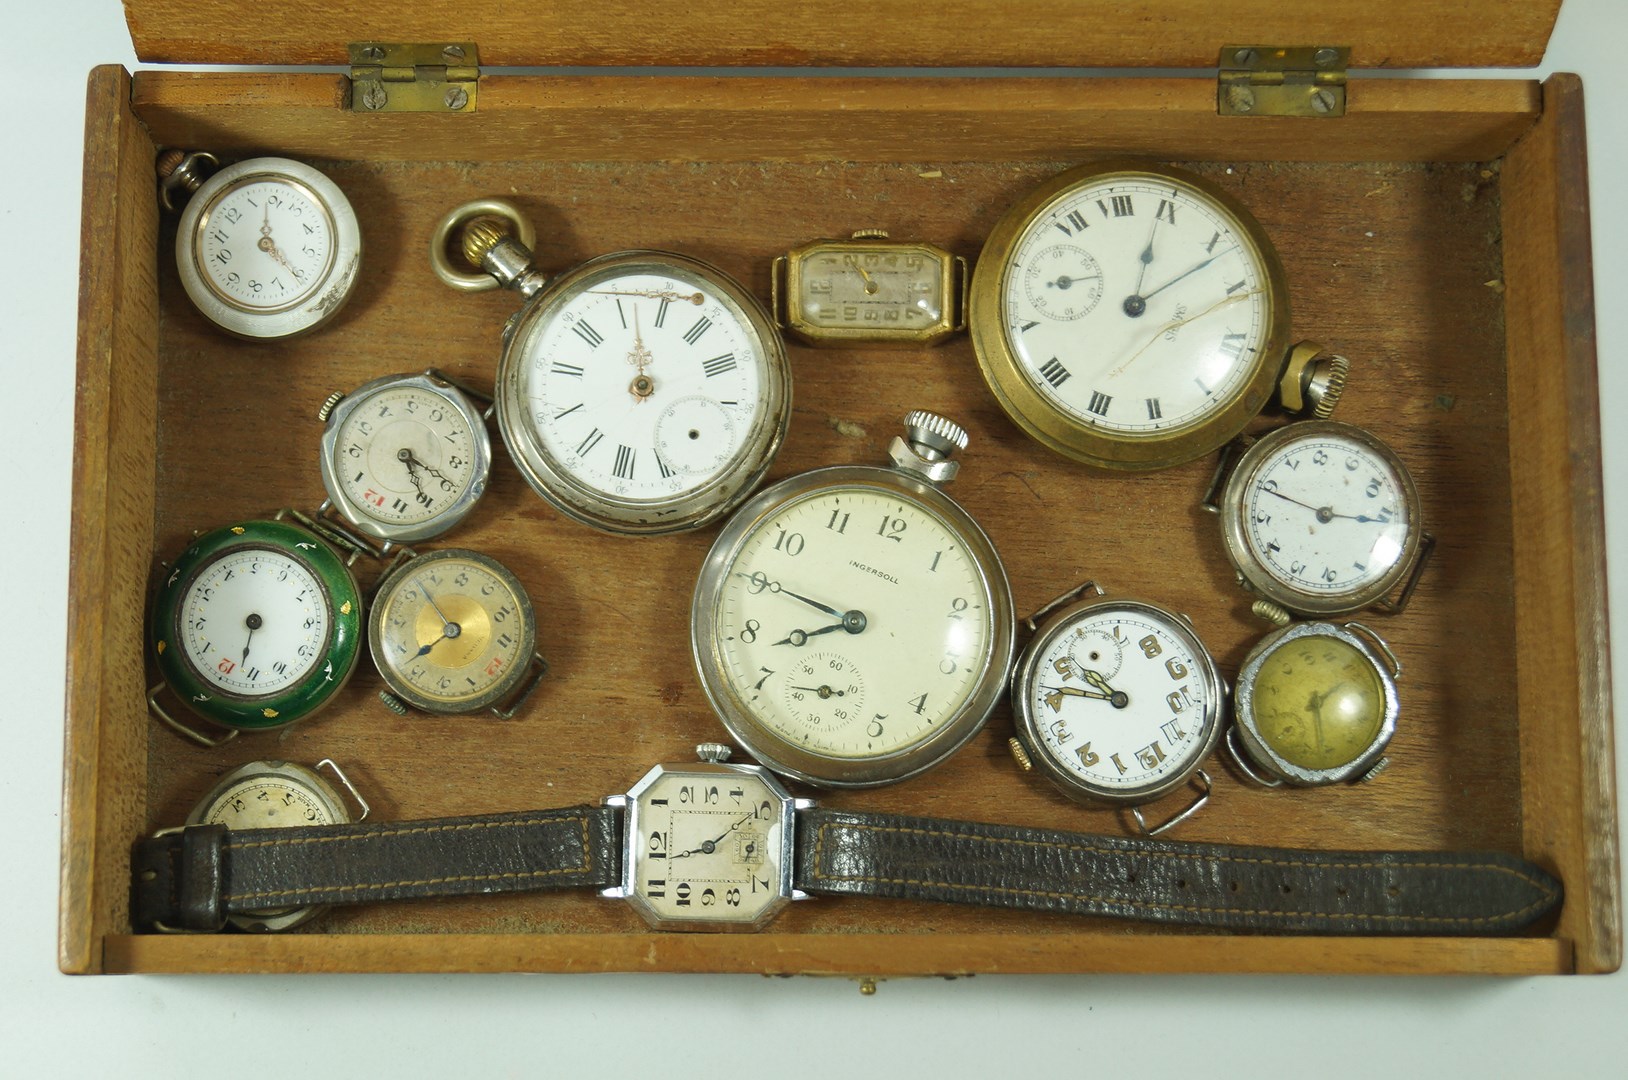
[
  {"x": 1262, "y": 80},
  {"x": 414, "y": 78}
]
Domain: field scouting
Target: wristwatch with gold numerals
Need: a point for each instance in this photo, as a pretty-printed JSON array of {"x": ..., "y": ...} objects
[{"x": 714, "y": 846}]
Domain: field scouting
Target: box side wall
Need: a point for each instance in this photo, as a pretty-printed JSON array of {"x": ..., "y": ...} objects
[
  {"x": 1562, "y": 638},
  {"x": 105, "y": 752}
]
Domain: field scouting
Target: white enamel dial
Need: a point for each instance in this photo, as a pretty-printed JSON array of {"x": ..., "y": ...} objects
[
  {"x": 268, "y": 248},
  {"x": 910, "y": 638},
  {"x": 643, "y": 386},
  {"x": 405, "y": 455},
  {"x": 1136, "y": 304},
  {"x": 265, "y": 243},
  {"x": 1326, "y": 514},
  {"x": 1116, "y": 700},
  {"x": 254, "y": 621},
  {"x": 706, "y": 848}
]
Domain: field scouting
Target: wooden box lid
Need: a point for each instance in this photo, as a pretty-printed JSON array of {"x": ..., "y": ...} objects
[{"x": 795, "y": 33}]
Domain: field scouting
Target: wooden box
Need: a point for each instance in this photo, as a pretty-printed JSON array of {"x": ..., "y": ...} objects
[{"x": 1437, "y": 233}]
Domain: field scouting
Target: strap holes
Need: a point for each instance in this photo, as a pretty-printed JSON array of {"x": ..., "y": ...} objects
[
  {"x": 1341, "y": 890},
  {"x": 1234, "y": 886},
  {"x": 1181, "y": 883},
  {"x": 1130, "y": 878},
  {"x": 1393, "y": 892},
  {"x": 1287, "y": 889}
]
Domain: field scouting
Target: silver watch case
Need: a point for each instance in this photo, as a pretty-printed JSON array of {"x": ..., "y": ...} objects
[
  {"x": 786, "y": 757},
  {"x": 314, "y": 307},
  {"x": 1258, "y": 578},
  {"x": 1028, "y": 724},
  {"x": 642, "y": 517},
  {"x": 480, "y": 468},
  {"x": 275, "y": 919},
  {"x": 635, "y": 856},
  {"x": 1262, "y": 755}
]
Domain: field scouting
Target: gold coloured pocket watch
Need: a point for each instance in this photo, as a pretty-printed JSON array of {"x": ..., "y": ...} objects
[
  {"x": 1134, "y": 316},
  {"x": 1315, "y": 704},
  {"x": 453, "y": 631},
  {"x": 869, "y": 289},
  {"x": 266, "y": 248},
  {"x": 641, "y": 392},
  {"x": 1321, "y": 518},
  {"x": 276, "y": 795},
  {"x": 1116, "y": 701},
  {"x": 853, "y": 625}
]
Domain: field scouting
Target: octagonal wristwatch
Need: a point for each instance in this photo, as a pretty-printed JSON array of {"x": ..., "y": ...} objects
[{"x": 718, "y": 846}]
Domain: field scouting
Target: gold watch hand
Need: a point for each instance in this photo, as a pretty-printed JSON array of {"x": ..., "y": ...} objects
[
  {"x": 1174, "y": 323},
  {"x": 654, "y": 294}
]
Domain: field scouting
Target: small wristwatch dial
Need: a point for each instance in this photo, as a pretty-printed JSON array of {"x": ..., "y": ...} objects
[
  {"x": 1326, "y": 514},
  {"x": 1318, "y": 702},
  {"x": 265, "y": 243},
  {"x": 872, "y": 287},
  {"x": 254, "y": 621},
  {"x": 404, "y": 455},
  {"x": 1120, "y": 700},
  {"x": 707, "y": 847}
]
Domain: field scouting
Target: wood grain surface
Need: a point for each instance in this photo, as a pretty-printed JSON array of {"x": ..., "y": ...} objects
[
  {"x": 1397, "y": 264},
  {"x": 1114, "y": 33}
]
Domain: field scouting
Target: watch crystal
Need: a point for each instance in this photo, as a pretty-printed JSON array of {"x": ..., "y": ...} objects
[{"x": 1317, "y": 702}]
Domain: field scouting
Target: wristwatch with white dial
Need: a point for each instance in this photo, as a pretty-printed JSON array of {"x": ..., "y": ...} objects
[{"x": 715, "y": 846}]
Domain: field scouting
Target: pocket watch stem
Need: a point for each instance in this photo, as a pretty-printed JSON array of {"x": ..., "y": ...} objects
[{"x": 927, "y": 445}]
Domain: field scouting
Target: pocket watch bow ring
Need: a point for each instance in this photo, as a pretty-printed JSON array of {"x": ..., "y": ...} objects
[{"x": 641, "y": 392}]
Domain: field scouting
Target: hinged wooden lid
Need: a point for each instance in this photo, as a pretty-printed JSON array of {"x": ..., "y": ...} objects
[{"x": 946, "y": 33}]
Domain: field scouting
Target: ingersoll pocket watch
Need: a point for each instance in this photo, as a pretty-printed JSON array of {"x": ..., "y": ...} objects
[
  {"x": 711, "y": 846},
  {"x": 276, "y": 795},
  {"x": 1321, "y": 518},
  {"x": 1134, "y": 317},
  {"x": 404, "y": 457},
  {"x": 640, "y": 392},
  {"x": 256, "y": 625},
  {"x": 853, "y": 625},
  {"x": 869, "y": 289},
  {"x": 452, "y": 631},
  {"x": 1315, "y": 703},
  {"x": 1116, "y": 701},
  {"x": 266, "y": 248}
]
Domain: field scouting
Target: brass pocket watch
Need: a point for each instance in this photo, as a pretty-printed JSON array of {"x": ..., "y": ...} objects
[
  {"x": 276, "y": 795},
  {"x": 641, "y": 392},
  {"x": 266, "y": 248},
  {"x": 869, "y": 289},
  {"x": 453, "y": 631},
  {"x": 1315, "y": 704},
  {"x": 255, "y": 626},
  {"x": 1116, "y": 701},
  {"x": 853, "y": 625},
  {"x": 1321, "y": 518},
  {"x": 1134, "y": 316}
]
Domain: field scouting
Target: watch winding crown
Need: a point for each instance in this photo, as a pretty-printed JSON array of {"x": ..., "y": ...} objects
[
  {"x": 1326, "y": 384},
  {"x": 480, "y": 236},
  {"x": 328, "y": 404},
  {"x": 870, "y": 234},
  {"x": 713, "y": 752},
  {"x": 928, "y": 443}
]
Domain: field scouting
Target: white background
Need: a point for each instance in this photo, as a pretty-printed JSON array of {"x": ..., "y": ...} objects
[{"x": 674, "y": 1028}]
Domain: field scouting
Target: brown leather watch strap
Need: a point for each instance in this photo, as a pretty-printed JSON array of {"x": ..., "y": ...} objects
[
  {"x": 1318, "y": 892},
  {"x": 192, "y": 878}
]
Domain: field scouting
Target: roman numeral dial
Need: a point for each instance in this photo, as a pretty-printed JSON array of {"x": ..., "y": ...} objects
[
  {"x": 635, "y": 384},
  {"x": 1151, "y": 294}
]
